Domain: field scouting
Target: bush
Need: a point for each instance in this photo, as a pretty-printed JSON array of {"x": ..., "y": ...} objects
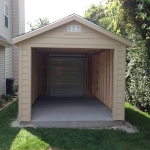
[
  {"x": 15, "y": 89},
  {"x": 2, "y": 102},
  {"x": 6, "y": 97},
  {"x": 138, "y": 76}
]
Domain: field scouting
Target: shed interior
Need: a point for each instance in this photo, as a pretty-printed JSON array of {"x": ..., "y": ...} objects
[{"x": 98, "y": 72}]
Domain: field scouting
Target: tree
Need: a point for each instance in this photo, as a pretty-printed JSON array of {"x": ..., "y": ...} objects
[
  {"x": 130, "y": 19},
  {"x": 40, "y": 22},
  {"x": 95, "y": 14},
  {"x": 140, "y": 13}
]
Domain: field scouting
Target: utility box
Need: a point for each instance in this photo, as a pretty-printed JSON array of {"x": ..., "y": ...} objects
[{"x": 9, "y": 85}]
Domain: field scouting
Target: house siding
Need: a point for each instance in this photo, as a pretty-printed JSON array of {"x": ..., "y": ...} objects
[
  {"x": 18, "y": 22},
  {"x": 21, "y": 16},
  {"x": 2, "y": 70},
  {"x": 7, "y": 34},
  {"x": 10, "y": 62},
  {"x": 4, "y": 31}
]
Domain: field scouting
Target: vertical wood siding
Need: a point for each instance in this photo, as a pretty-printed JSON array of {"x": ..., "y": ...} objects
[
  {"x": 2, "y": 70},
  {"x": 44, "y": 74},
  {"x": 102, "y": 80},
  {"x": 36, "y": 75},
  {"x": 88, "y": 74},
  {"x": 102, "y": 77}
]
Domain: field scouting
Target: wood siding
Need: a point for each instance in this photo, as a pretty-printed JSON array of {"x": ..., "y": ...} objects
[
  {"x": 102, "y": 76},
  {"x": 24, "y": 83},
  {"x": 120, "y": 83},
  {"x": 44, "y": 74},
  {"x": 108, "y": 67},
  {"x": 36, "y": 75},
  {"x": 88, "y": 38},
  {"x": 88, "y": 75}
]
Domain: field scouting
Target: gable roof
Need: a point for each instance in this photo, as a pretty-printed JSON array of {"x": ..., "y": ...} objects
[
  {"x": 67, "y": 20},
  {"x": 4, "y": 42}
]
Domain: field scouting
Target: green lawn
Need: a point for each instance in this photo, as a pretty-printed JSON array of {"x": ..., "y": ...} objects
[{"x": 74, "y": 139}]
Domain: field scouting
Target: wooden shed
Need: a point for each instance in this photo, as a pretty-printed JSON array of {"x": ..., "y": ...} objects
[{"x": 96, "y": 58}]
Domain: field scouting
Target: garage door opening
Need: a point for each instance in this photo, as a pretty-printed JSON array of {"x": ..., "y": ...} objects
[
  {"x": 88, "y": 73},
  {"x": 72, "y": 85}
]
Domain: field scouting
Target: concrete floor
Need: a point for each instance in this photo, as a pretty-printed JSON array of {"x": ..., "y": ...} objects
[{"x": 70, "y": 112}]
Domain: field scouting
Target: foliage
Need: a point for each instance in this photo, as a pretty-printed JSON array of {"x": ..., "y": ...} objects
[
  {"x": 15, "y": 89},
  {"x": 6, "y": 97},
  {"x": 138, "y": 10},
  {"x": 98, "y": 15},
  {"x": 40, "y": 22},
  {"x": 138, "y": 57},
  {"x": 95, "y": 14},
  {"x": 138, "y": 77},
  {"x": 111, "y": 17},
  {"x": 2, "y": 102}
]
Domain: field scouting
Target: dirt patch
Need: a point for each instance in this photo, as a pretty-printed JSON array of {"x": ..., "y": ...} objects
[{"x": 127, "y": 127}]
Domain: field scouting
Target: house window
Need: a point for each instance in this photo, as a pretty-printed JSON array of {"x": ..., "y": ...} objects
[
  {"x": 73, "y": 28},
  {"x": 6, "y": 14}
]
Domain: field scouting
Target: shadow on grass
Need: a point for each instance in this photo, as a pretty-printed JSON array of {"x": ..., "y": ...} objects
[
  {"x": 7, "y": 134},
  {"x": 138, "y": 118}
]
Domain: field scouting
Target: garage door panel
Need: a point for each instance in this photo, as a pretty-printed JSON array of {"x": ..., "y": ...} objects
[{"x": 66, "y": 76}]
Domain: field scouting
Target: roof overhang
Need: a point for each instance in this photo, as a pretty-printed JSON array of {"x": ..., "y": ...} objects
[
  {"x": 67, "y": 20},
  {"x": 4, "y": 42}
]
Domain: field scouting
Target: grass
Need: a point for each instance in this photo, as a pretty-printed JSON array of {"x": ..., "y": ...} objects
[{"x": 74, "y": 139}]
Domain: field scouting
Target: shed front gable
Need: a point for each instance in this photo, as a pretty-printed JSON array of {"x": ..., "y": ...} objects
[
  {"x": 60, "y": 36},
  {"x": 67, "y": 20}
]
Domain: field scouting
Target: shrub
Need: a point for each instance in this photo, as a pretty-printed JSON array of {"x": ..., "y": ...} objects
[
  {"x": 2, "y": 102},
  {"x": 7, "y": 97},
  {"x": 15, "y": 89},
  {"x": 138, "y": 76}
]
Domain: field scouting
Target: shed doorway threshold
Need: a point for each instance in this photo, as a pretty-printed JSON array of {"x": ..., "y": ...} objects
[{"x": 71, "y": 112}]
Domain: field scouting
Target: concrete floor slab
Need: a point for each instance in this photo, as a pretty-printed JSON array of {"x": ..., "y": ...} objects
[{"x": 70, "y": 112}]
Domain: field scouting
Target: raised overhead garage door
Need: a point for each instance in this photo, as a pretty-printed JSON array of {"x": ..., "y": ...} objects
[{"x": 66, "y": 76}]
